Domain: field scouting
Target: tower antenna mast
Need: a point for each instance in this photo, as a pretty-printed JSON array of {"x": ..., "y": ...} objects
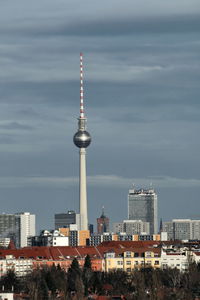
[{"x": 82, "y": 115}]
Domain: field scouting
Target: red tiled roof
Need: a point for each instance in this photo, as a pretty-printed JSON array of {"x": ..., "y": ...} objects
[
  {"x": 129, "y": 244},
  {"x": 67, "y": 252},
  {"x": 52, "y": 253}
]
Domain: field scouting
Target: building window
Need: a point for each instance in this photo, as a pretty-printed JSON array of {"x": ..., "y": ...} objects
[
  {"x": 136, "y": 254},
  {"x": 128, "y": 269},
  {"x": 128, "y": 262},
  {"x": 128, "y": 254},
  {"x": 148, "y": 254},
  {"x": 156, "y": 262}
]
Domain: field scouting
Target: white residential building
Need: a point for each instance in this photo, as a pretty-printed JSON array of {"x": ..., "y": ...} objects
[
  {"x": 175, "y": 259},
  {"x": 59, "y": 239},
  {"x": 6, "y": 296},
  {"x": 21, "y": 267}
]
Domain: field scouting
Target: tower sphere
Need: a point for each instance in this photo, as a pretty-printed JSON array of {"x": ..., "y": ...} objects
[{"x": 82, "y": 139}]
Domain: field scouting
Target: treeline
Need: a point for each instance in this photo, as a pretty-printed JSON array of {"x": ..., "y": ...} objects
[{"x": 78, "y": 284}]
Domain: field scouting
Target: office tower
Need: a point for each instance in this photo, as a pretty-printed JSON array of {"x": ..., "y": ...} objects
[
  {"x": 102, "y": 223},
  {"x": 18, "y": 227},
  {"x": 82, "y": 140},
  {"x": 64, "y": 220},
  {"x": 142, "y": 205}
]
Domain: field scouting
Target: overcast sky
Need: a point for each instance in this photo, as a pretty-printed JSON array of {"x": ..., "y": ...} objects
[{"x": 142, "y": 100}]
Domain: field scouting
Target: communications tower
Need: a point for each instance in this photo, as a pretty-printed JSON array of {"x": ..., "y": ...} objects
[{"x": 82, "y": 140}]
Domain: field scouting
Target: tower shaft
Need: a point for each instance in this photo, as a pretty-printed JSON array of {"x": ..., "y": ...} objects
[
  {"x": 83, "y": 190},
  {"x": 82, "y": 140}
]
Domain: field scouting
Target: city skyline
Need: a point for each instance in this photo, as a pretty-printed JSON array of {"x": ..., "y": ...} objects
[{"x": 142, "y": 90}]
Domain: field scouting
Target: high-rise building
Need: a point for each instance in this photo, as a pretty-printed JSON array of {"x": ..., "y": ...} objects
[
  {"x": 182, "y": 229},
  {"x": 10, "y": 227},
  {"x": 102, "y": 223},
  {"x": 64, "y": 220},
  {"x": 27, "y": 227},
  {"x": 18, "y": 227},
  {"x": 142, "y": 205},
  {"x": 82, "y": 140}
]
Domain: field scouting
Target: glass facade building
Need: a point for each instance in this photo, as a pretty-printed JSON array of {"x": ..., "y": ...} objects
[
  {"x": 64, "y": 220},
  {"x": 142, "y": 205}
]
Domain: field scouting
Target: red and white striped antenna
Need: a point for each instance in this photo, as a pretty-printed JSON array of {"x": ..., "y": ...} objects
[{"x": 82, "y": 115}]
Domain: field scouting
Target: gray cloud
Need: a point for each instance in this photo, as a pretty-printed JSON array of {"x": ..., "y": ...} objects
[
  {"x": 4, "y": 139},
  {"x": 45, "y": 17},
  {"x": 175, "y": 24},
  {"x": 15, "y": 126},
  {"x": 111, "y": 181}
]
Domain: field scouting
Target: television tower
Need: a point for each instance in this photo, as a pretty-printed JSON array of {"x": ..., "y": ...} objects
[{"x": 82, "y": 140}]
